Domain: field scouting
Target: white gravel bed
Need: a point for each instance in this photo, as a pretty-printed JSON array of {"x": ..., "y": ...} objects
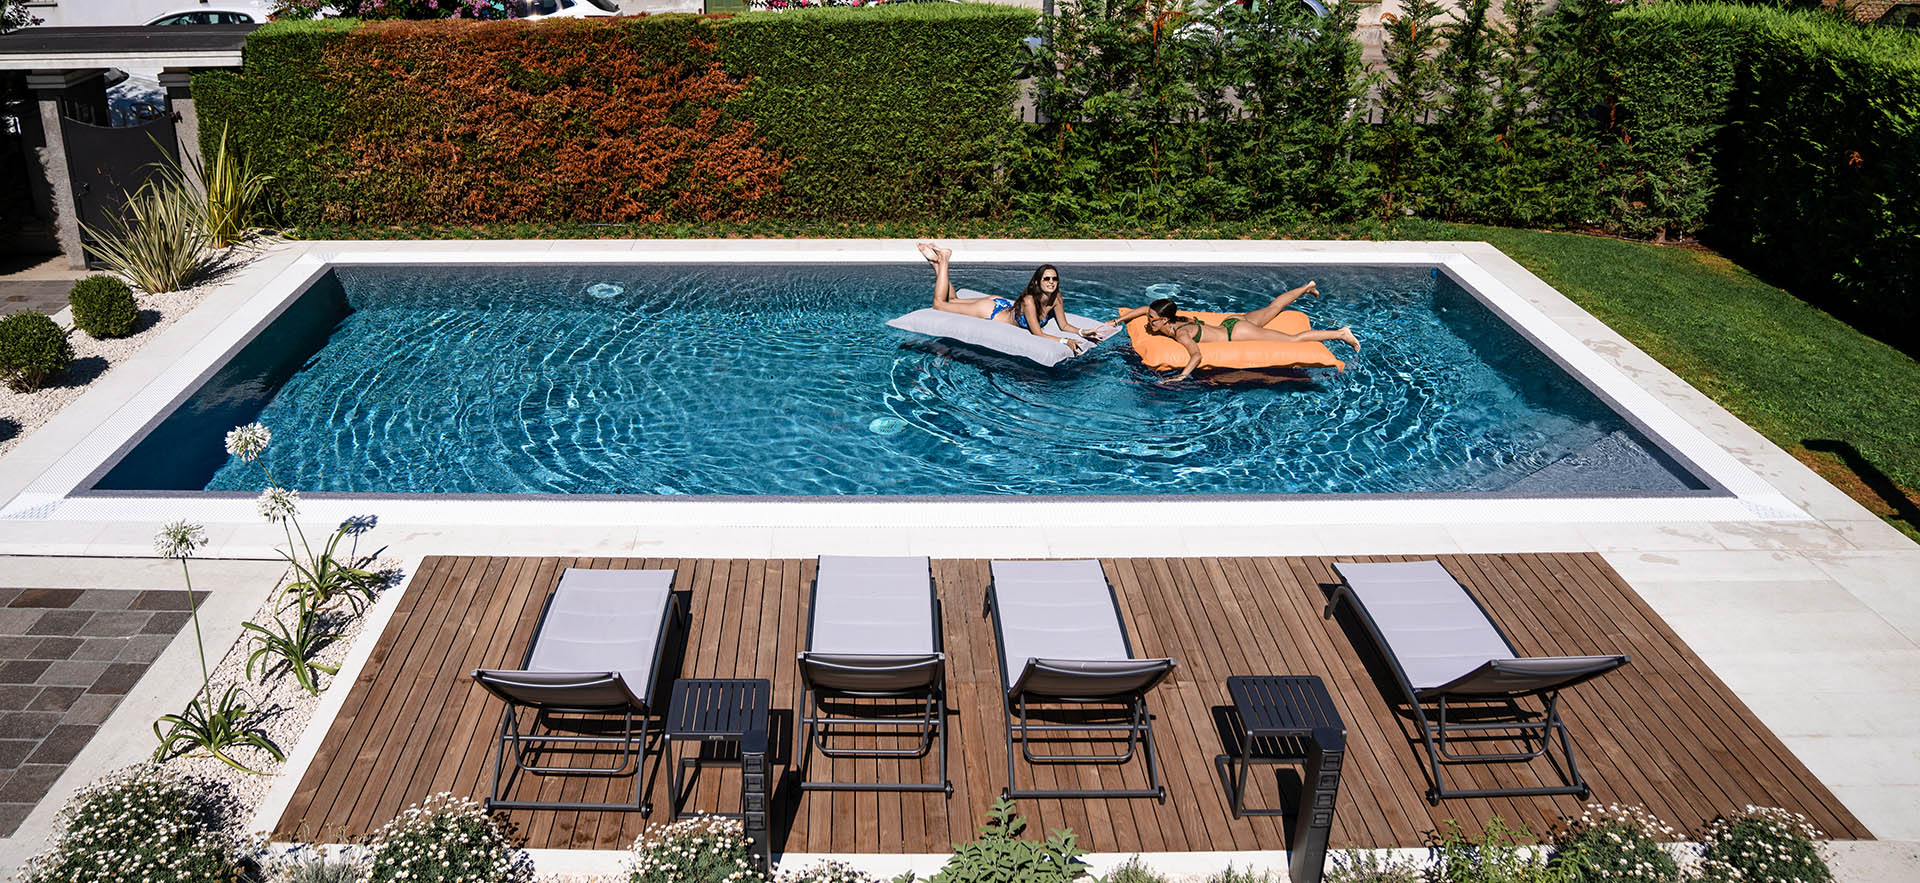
[
  {"x": 283, "y": 708},
  {"x": 22, "y": 413}
]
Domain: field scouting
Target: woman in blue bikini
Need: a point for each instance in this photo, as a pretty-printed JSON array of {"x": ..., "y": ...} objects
[{"x": 1041, "y": 298}]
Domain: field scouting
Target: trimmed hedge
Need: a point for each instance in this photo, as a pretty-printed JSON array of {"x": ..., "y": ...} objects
[
  {"x": 1813, "y": 181},
  {"x": 33, "y": 349},
  {"x": 103, "y": 306},
  {"x": 830, "y": 113}
]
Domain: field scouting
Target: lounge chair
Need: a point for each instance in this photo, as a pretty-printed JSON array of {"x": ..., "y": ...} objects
[
  {"x": 598, "y": 652},
  {"x": 1445, "y": 651},
  {"x": 873, "y": 664},
  {"x": 1064, "y": 648}
]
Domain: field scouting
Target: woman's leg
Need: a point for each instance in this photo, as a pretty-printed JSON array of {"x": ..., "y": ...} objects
[
  {"x": 942, "y": 285},
  {"x": 1345, "y": 335},
  {"x": 1265, "y": 314}
]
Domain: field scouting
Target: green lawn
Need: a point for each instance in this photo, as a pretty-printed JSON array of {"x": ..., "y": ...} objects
[{"x": 1843, "y": 402}]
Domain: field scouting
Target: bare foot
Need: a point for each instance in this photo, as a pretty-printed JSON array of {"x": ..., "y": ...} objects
[
  {"x": 1310, "y": 287},
  {"x": 944, "y": 253},
  {"x": 1346, "y": 334},
  {"x": 927, "y": 251}
]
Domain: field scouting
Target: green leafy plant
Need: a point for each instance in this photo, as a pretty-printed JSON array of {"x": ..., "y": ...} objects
[
  {"x": 445, "y": 839},
  {"x": 229, "y": 190},
  {"x": 140, "y": 823},
  {"x": 1134, "y": 871},
  {"x": 829, "y": 871},
  {"x": 33, "y": 348},
  {"x": 293, "y": 647},
  {"x": 1614, "y": 842},
  {"x": 103, "y": 307},
  {"x": 1370, "y": 866},
  {"x": 1499, "y": 854},
  {"x": 697, "y": 850},
  {"x": 326, "y": 579},
  {"x": 214, "y": 727},
  {"x": 1000, "y": 855},
  {"x": 158, "y": 244},
  {"x": 1762, "y": 845}
]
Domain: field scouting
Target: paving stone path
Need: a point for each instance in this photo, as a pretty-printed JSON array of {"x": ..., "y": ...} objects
[{"x": 67, "y": 657}]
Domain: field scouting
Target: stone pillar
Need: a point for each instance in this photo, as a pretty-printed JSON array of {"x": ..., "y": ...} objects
[
  {"x": 178, "y": 82},
  {"x": 49, "y": 88}
]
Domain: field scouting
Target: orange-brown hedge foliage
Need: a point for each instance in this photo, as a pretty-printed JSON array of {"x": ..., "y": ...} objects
[{"x": 598, "y": 121}]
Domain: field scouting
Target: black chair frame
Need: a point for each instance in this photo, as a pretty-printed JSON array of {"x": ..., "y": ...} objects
[
  {"x": 929, "y": 724},
  {"x": 541, "y": 730},
  {"x": 1019, "y": 716}
]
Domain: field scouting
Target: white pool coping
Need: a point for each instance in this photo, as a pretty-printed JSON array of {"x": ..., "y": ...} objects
[{"x": 58, "y": 495}]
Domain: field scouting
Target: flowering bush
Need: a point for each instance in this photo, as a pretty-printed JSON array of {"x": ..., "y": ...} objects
[
  {"x": 702, "y": 849},
  {"x": 447, "y": 839},
  {"x": 826, "y": 872},
  {"x": 1762, "y": 845},
  {"x": 1615, "y": 842},
  {"x": 139, "y": 824}
]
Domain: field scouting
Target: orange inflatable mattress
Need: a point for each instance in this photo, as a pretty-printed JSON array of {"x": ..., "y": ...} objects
[{"x": 1159, "y": 352}]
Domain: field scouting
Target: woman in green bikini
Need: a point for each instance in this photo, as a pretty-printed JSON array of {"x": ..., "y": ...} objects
[{"x": 1163, "y": 318}]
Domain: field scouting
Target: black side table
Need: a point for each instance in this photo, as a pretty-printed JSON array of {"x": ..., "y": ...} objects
[
  {"x": 718, "y": 713},
  {"x": 1290, "y": 719}
]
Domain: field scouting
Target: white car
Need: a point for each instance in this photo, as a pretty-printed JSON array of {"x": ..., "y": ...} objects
[
  {"x": 225, "y": 14},
  {"x": 538, "y": 9}
]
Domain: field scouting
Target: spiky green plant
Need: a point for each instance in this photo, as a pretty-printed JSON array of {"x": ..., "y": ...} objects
[
  {"x": 157, "y": 244},
  {"x": 229, "y": 192},
  {"x": 293, "y": 647}
]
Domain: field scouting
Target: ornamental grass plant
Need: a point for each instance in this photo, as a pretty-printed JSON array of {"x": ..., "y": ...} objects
[{"x": 158, "y": 244}]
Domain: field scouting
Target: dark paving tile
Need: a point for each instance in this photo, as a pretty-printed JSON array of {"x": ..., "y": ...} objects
[
  {"x": 165, "y": 623},
  {"x": 12, "y": 814},
  {"x": 164, "y": 599},
  {"x": 55, "y": 699},
  {"x": 14, "y": 697},
  {"x": 7, "y": 595},
  {"x": 53, "y": 648},
  {"x": 14, "y": 621},
  {"x": 91, "y": 709},
  {"x": 30, "y": 782},
  {"x": 62, "y": 744},
  {"x": 115, "y": 624},
  {"x": 119, "y": 678},
  {"x": 60, "y": 622},
  {"x": 105, "y": 599},
  {"x": 51, "y": 599},
  {"x": 28, "y": 724},
  {"x": 13, "y": 752},
  {"x": 68, "y": 673},
  {"x": 143, "y": 648},
  {"x": 22, "y": 671},
  {"x": 17, "y": 646},
  {"x": 100, "y": 649}
]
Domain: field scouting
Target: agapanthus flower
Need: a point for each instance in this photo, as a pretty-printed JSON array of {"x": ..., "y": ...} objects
[
  {"x": 248, "y": 442},
  {"x": 179, "y": 540},
  {"x": 277, "y": 504}
]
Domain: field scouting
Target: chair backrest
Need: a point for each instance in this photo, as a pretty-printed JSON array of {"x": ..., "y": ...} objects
[
  {"x": 1428, "y": 624},
  {"x": 612, "y": 620},
  {"x": 873, "y": 605},
  {"x": 1089, "y": 679},
  {"x": 1055, "y": 610},
  {"x": 863, "y": 674},
  {"x": 560, "y": 690}
]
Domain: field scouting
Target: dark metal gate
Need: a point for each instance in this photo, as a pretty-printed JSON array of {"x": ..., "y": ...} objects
[{"x": 110, "y": 163}]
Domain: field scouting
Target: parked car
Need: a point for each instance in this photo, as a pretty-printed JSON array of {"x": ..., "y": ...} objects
[
  {"x": 218, "y": 15},
  {"x": 537, "y": 9}
]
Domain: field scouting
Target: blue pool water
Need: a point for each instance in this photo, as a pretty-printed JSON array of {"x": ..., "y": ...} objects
[{"x": 755, "y": 380}]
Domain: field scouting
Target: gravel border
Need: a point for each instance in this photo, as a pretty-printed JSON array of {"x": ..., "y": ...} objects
[{"x": 22, "y": 413}]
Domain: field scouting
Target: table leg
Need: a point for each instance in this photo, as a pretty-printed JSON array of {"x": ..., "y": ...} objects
[{"x": 1240, "y": 775}]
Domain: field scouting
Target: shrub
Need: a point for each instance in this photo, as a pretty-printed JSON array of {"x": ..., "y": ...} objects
[
  {"x": 103, "y": 307},
  {"x": 696, "y": 850},
  {"x": 1762, "y": 845},
  {"x": 1367, "y": 866},
  {"x": 446, "y": 839},
  {"x": 1615, "y": 842},
  {"x": 1247, "y": 876},
  {"x": 1499, "y": 854},
  {"x": 140, "y": 823},
  {"x": 999, "y": 854},
  {"x": 829, "y": 871},
  {"x": 1134, "y": 871},
  {"x": 33, "y": 348}
]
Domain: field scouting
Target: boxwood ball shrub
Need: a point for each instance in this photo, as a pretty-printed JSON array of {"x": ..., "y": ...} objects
[
  {"x": 32, "y": 349},
  {"x": 103, "y": 307},
  {"x": 141, "y": 823}
]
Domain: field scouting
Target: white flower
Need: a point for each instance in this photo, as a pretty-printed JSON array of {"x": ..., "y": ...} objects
[
  {"x": 179, "y": 540},
  {"x": 277, "y": 504},
  {"x": 249, "y": 441}
]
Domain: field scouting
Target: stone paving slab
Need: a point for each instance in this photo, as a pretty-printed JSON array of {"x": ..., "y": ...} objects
[{"x": 47, "y": 296}]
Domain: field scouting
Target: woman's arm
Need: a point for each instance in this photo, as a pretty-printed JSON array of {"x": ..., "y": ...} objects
[
  {"x": 1193, "y": 357},
  {"x": 1060, "y": 318},
  {"x": 1130, "y": 315},
  {"x": 1033, "y": 324}
]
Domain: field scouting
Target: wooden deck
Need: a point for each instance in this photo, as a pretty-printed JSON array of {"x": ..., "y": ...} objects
[{"x": 1663, "y": 732}]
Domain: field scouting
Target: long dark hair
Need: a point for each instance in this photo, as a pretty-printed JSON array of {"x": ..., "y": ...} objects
[
  {"x": 1032, "y": 292},
  {"x": 1165, "y": 309}
]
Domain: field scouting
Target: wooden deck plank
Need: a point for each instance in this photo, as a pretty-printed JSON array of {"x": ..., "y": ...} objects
[{"x": 1664, "y": 732}]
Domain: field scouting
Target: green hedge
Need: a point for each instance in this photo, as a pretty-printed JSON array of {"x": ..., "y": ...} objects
[
  {"x": 896, "y": 112},
  {"x": 1814, "y": 180}
]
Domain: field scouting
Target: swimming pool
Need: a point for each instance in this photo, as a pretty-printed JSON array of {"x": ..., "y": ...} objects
[{"x": 773, "y": 380}]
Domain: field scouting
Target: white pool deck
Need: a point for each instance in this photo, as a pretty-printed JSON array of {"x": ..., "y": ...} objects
[{"x": 1796, "y": 596}]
